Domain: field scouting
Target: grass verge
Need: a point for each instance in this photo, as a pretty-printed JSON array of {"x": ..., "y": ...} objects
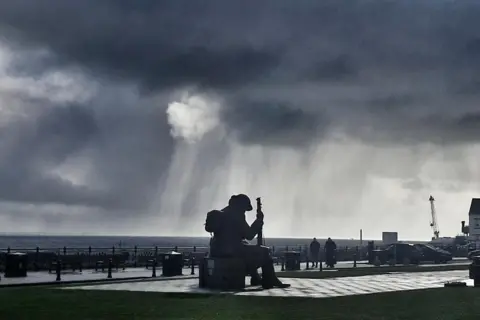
[
  {"x": 356, "y": 272},
  {"x": 48, "y": 303}
]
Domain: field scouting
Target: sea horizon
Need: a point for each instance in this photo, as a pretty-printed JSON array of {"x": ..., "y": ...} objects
[
  {"x": 86, "y": 234},
  {"x": 55, "y": 241}
]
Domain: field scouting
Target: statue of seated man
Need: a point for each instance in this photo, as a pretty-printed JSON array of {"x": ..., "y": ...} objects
[{"x": 230, "y": 234}]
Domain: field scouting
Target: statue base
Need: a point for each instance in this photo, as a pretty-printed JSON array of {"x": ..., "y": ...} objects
[{"x": 222, "y": 273}]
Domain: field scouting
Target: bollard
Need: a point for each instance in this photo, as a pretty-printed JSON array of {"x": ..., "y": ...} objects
[
  {"x": 37, "y": 255},
  {"x": 135, "y": 253},
  {"x": 321, "y": 266},
  {"x": 201, "y": 274},
  {"x": 59, "y": 270},
  {"x": 192, "y": 262},
  {"x": 154, "y": 268},
  {"x": 89, "y": 256},
  {"x": 308, "y": 263},
  {"x": 354, "y": 260},
  {"x": 474, "y": 271},
  {"x": 370, "y": 247},
  {"x": 176, "y": 249},
  {"x": 377, "y": 262},
  {"x": 283, "y": 264},
  {"x": 80, "y": 265},
  {"x": 109, "y": 275}
]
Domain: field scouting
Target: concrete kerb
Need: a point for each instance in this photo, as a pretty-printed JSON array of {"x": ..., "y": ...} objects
[
  {"x": 144, "y": 279},
  {"x": 90, "y": 281},
  {"x": 358, "y": 272}
]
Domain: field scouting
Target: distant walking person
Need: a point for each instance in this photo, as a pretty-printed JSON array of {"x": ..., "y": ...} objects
[
  {"x": 314, "y": 252},
  {"x": 330, "y": 249}
]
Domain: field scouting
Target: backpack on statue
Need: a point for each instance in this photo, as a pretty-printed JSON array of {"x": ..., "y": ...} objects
[{"x": 214, "y": 221}]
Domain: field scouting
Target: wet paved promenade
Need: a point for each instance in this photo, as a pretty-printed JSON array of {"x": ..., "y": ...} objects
[
  {"x": 143, "y": 273},
  {"x": 314, "y": 288},
  {"x": 87, "y": 275}
]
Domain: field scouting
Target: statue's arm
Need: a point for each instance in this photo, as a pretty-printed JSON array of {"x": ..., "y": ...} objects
[{"x": 251, "y": 231}]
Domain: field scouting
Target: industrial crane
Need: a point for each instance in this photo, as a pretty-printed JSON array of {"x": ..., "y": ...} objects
[{"x": 434, "y": 224}]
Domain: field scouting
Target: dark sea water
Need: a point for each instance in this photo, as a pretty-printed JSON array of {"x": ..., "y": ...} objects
[{"x": 56, "y": 242}]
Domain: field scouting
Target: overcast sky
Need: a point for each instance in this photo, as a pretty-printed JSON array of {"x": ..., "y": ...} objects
[{"x": 138, "y": 117}]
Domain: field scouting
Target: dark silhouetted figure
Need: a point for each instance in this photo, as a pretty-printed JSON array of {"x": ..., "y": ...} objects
[
  {"x": 314, "y": 252},
  {"x": 330, "y": 248},
  {"x": 230, "y": 234},
  {"x": 370, "y": 255}
]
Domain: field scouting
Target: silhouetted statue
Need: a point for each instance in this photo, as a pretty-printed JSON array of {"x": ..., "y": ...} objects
[
  {"x": 330, "y": 248},
  {"x": 314, "y": 252},
  {"x": 230, "y": 234}
]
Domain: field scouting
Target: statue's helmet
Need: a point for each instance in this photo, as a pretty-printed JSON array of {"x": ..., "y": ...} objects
[{"x": 241, "y": 202}]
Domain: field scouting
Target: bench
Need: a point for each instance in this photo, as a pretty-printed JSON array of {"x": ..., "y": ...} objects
[
  {"x": 222, "y": 273},
  {"x": 194, "y": 257},
  {"x": 42, "y": 260},
  {"x": 149, "y": 263},
  {"x": 118, "y": 261},
  {"x": 74, "y": 262}
]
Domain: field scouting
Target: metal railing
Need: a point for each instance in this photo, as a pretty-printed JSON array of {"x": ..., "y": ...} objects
[
  {"x": 136, "y": 256},
  {"x": 87, "y": 257}
]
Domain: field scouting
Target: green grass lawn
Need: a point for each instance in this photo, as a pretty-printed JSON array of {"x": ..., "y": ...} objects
[
  {"x": 43, "y": 303},
  {"x": 365, "y": 271}
]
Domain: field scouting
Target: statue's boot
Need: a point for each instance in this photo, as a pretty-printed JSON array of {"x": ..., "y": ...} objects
[
  {"x": 270, "y": 280},
  {"x": 255, "y": 279}
]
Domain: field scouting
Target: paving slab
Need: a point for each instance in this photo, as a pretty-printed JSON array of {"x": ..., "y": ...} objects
[
  {"x": 364, "y": 264},
  {"x": 469, "y": 282},
  {"x": 43, "y": 277},
  {"x": 313, "y": 288}
]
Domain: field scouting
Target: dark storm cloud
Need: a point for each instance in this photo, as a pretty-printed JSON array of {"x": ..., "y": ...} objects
[
  {"x": 152, "y": 42},
  {"x": 225, "y": 45},
  {"x": 33, "y": 145},
  {"x": 290, "y": 72},
  {"x": 125, "y": 153},
  {"x": 274, "y": 123},
  {"x": 399, "y": 128},
  {"x": 337, "y": 68},
  {"x": 133, "y": 155}
]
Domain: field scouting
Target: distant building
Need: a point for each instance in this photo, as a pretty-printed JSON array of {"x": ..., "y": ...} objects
[
  {"x": 474, "y": 220},
  {"x": 389, "y": 237}
]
